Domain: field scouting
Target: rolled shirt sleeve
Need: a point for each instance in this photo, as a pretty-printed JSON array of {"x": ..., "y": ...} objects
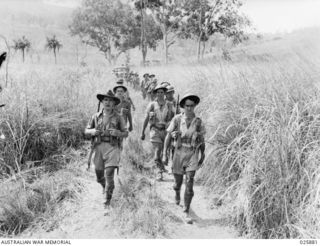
[{"x": 91, "y": 123}]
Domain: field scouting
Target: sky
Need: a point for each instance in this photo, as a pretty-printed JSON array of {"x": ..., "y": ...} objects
[
  {"x": 268, "y": 16},
  {"x": 282, "y": 15}
]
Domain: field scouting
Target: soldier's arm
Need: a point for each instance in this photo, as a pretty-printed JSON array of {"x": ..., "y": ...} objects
[
  {"x": 167, "y": 140},
  {"x": 131, "y": 102},
  {"x": 90, "y": 128},
  {"x": 123, "y": 132},
  {"x": 202, "y": 146},
  {"x": 145, "y": 124},
  {"x": 130, "y": 120}
]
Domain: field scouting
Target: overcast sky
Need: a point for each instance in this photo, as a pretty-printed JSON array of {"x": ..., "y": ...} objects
[
  {"x": 267, "y": 15},
  {"x": 282, "y": 15}
]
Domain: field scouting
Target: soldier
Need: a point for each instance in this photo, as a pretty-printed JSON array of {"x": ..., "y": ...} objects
[
  {"x": 159, "y": 114},
  {"x": 124, "y": 107},
  {"x": 126, "y": 94},
  {"x": 151, "y": 86},
  {"x": 188, "y": 132},
  {"x": 107, "y": 126},
  {"x": 144, "y": 84},
  {"x": 170, "y": 97}
]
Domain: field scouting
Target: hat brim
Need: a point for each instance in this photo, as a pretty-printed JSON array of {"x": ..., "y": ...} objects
[
  {"x": 160, "y": 88},
  {"x": 120, "y": 86},
  {"x": 102, "y": 96},
  {"x": 193, "y": 98}
]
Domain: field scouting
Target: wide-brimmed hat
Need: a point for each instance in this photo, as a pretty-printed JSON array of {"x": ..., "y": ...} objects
[
  {"x": 119, "y": 86},
  {"x": 165, "y": 83},
  {"x": 158, "y": 87},
  {"x": 191, "y": 97},
  {"x": 170, "y": 88},
  {"x": 120, "y": 82},
  {"x": 146, "y": 74},
  {"x": 152, "y": 75},
  {"x": 109, "y": 94}
]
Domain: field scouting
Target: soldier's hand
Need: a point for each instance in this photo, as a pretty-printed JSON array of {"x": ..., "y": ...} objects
[
  {"x": 143, "y": 136},
  {"x": 130, "y": 128},
  {"x": 96, "y": 132},
  {"x": 115, "y": 133},
  {"x": 175, "y": 134},
  {"x": 165, "y": 159}
]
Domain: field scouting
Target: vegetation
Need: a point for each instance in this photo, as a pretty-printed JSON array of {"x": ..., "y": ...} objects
[
  {"x": 23, "y": 44},
  {"x": 108, "y": 25},
  {"x": 55, "y": 45}
]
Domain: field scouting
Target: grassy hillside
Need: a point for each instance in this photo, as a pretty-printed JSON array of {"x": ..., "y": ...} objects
[{"x": 259, "y": 101}]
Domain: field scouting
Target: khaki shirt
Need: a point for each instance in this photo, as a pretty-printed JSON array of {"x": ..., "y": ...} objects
[
  {"x": 124, "y": 109},
  {"x": 114, "y": 121},
  {"x": 179, "y": 121},
  {"x": 162, "y": 113}
]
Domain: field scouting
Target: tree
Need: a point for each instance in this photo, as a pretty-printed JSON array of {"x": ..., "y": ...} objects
[
  {"x": 22, "y": 44},
  {"x": 53, "y": 44},
  {"x": 205, "y": 18},
  {"x": 150, "y": 32},
  {"x": 168, "y": 15},
  {"x": 108, "y": 25}
]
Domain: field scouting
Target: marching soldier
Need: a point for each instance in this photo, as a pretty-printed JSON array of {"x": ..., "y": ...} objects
[
  {"x": 144, "y": 84},
  {"x": 188, "y": 132},
  {"x": 126, "y": 94},
  {"x": 124, "y": 107},
  {"x": 108, "y": 128},
  {"x": 159, "y": 114},
  {"x": 151, "y": 86},
  {"x": 170, "y": 98}
]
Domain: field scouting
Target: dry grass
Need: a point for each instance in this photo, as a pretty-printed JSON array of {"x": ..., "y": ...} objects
[
  {"x": 261, "y": 110},
  {"x": 37, "y": 204}
]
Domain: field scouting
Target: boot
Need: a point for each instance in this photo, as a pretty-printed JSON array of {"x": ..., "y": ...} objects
[
  {"x": 187, "y": 202},
  {"x": 187, "y": 218}
]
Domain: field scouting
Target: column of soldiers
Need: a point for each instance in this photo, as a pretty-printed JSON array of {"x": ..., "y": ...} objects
[{"x": 176, "y": 133}]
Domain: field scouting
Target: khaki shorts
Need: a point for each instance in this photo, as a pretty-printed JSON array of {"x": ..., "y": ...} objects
[
  {"x": 185, "y": 160},
  {"x": 106, "y": 155},
  {"x": 157, "y": 136}
]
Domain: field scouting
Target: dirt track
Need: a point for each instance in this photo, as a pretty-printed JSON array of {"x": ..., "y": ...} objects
[{"x": 88, "y": 218}]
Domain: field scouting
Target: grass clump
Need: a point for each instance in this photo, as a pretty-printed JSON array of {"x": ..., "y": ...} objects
[
  {"x": 28, "y": 205},
  {"x": 142, "y": 213},
  {"x": 264, "y": 155}
]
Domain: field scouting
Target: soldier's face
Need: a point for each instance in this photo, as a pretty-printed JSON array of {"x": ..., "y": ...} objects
[
  {"x": 170, "y": 94},
  {"x": 108, "y": 103},
  {"x": 189, "y": 106},
  {"x": 120, "y": 92},
  {"x": 160, "y": 94}
]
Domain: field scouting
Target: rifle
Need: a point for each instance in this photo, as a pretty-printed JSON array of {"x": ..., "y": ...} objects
[
  {"x": 177, "y": 106},
  {"x": 92, "y": 142}
]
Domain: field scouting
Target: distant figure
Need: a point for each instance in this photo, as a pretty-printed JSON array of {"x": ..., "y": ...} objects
[
  {"x": 126, "y": 94},
  {"x": 159, "y": 114},
  {"x": 144, "y": 83},
  {"x": 3, "y": 57},
  {"x": 124, "y": 107}
]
